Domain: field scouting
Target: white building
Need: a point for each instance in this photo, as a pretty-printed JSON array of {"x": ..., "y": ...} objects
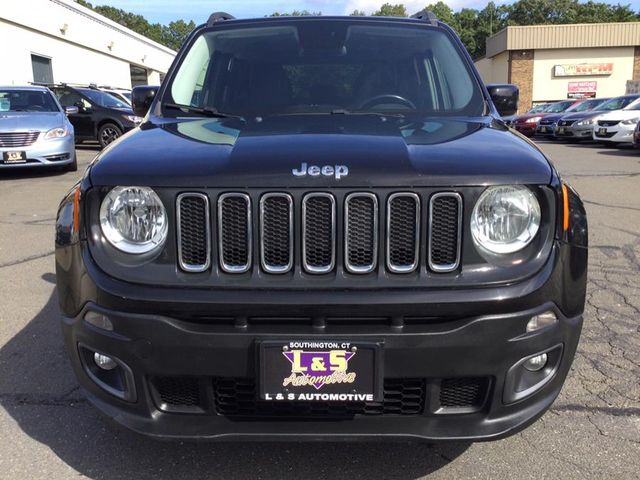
[{"x": 59, "y": 41}]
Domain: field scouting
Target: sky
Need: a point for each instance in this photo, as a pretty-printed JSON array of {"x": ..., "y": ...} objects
[{"x": 164, "y": 11}]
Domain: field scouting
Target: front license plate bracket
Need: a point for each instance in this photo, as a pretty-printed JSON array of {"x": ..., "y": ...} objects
[{"x": 320, "y": 370}]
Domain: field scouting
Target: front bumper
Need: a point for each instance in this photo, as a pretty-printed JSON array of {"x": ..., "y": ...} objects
[
  {"x": 525, "y": 128},
  {"x": 50, "y": 153},
  {"x": 573, "y": 131},
  {"x": 617, "y": 134},
  {"x": 546, "y": 130},
  {"x": 208, "y": 338}
]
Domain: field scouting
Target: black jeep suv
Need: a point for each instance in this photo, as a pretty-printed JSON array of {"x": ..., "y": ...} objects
[
  {"x": 100, "y": 116},
  {"x": 322, "y": 229}
]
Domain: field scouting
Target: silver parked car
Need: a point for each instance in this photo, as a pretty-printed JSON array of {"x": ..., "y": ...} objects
[{"x": 34, "y": 129}]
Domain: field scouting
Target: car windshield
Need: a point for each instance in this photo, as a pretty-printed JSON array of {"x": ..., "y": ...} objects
[
  {"x": 325, "y": 66},
  {"x": 617, "y": 103},
  {"x": 584, "y": 106},
  {"x": 27, "y": 101},
  {"x": 539, "y": 108},
  {"x": 103, "y": 99},
  {"x": 558, "y": 107}
]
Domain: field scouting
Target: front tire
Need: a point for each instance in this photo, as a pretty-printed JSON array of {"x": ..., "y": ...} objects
[{"x": 108, "y": 133}]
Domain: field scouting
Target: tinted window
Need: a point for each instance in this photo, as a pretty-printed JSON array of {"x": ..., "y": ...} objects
[
  {"x": 320, "y": 66},
  {"x": 27, "y": 101},
  {"x": 558, "y": 107},
  {"x": 103, "y": 99},
  {"x": 617, "y": 103}
]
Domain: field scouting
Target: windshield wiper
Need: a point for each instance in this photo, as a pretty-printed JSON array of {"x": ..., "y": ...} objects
[
  {"x": 205, "y": 111},
  {"x": 344, "y": 111}
]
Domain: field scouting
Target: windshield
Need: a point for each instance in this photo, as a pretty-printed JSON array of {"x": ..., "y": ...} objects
[
  {"x": 324, "y": 66},
  {"x": 103, "y": 99},
  {"x": 539, "y": 108},
  {"x": 585, "y": 106},
  {"x": 617, "y": 103},
  {"x": 558, "y": 107},
  {"x": 27, "y": 101}
]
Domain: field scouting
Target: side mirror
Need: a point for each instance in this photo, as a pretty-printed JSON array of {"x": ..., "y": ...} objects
[
  {"x": 71, "y": 110},
  {"x": 505, "y": 98},
  {"x": 142, "y": 97}
]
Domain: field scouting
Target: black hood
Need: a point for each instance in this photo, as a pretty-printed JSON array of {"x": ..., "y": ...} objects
[{"x": 377, "y": 151}]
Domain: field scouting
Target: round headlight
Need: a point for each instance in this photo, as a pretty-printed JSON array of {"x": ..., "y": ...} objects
[
  {"x": 505, "y": 219},
  {"x": 133, "y": 219}
]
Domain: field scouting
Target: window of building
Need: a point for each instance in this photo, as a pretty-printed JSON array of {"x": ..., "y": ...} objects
[
  {"x": 139, "y": 75},
  {"x": 42, "y": 72}
]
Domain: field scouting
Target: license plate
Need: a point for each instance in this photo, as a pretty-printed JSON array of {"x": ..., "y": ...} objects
[
  {"x": 320, "y": 371},
  {"x": 602, "y": 131},
  {"x": 543, "y": 129},
  {"x": 14, "y": 157},
  {"x": 560, "y": 130}
]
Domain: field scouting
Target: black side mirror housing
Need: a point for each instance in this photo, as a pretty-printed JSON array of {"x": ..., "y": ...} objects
[
  {"x": 505, "y": 98},
  {"x": 142, "y": 97}
]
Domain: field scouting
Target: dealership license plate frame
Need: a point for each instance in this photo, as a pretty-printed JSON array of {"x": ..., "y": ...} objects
[
  {"x": 12, "y": 157},
  {"x": 274, "y": 367},
  {"x": 602, "y": 131}
]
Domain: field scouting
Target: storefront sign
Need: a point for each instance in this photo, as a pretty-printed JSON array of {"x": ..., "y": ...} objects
[{"x": 582, "y": 69}]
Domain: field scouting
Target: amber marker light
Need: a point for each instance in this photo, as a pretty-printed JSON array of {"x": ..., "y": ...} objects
[{"x": 565, "y": 201}]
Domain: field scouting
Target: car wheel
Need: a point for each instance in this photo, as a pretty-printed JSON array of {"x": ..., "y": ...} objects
[
  {"x": 108, "y": 133},
  {"x": 73, "y": 166}
]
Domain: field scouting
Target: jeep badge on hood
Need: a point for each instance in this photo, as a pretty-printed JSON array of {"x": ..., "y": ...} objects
[{"x": 338, "y": 171}]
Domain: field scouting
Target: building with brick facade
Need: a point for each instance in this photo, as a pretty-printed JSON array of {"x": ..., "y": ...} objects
[{"x": 555, "y": 62}]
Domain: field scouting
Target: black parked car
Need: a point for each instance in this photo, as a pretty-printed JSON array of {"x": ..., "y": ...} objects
[
  {"x": 100, "y": 116},
  {"x": 323, "y": 229}
]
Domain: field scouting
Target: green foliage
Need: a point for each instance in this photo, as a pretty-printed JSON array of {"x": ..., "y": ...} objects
[
  {"x": 171, "y": 35},
  {"x": 473, "y": 26},
  {"x": 389, "y": 10}
]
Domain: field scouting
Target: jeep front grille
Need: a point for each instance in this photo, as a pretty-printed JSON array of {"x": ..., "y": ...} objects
[
  {"x": 361, "y": 232},
  {"x": 234, "y": 232},
  {"x": 320, "y": 232},
  {"x": 276, "y": 232},
  {"x": 194, "y": 232},
  {"x": 445, "y": 211},
  {"x": 403, "y": 232}
]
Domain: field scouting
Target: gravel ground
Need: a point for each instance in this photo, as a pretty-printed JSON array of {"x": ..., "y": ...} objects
[{"x": 47, "y": 430}]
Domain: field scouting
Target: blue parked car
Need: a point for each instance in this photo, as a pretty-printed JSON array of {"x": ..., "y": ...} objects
[{"x": 35, "y": 130}]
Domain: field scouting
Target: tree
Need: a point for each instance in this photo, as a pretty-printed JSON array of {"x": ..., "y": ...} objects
[
  {"x": 388, "y": 10},
  {"x": 174, "y": 34},
  {"x": 297, "y": 13}
]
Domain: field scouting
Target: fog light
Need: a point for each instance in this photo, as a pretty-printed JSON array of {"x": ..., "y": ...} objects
[
  {"x": 541, "y": 321},
  {"x": 104, "y": 362},
  {"x": 536, "y": 363}
]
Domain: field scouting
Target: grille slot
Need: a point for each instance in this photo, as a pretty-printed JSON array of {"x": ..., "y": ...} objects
[
  {"x": 174, "y": 394},
  {"x": 468, "y": 394},
  {"x": 18, "y": 139},
  {"x": 234, "y": 232},
  {"x": 194, "y": 234},
  {"x": 237, "y": 397},
  {"x": 318, "y": 232},
  {"x": 608, "y": 123},
  {"x": 403, "y": 232},
  {"x": 361, "y": 232},
  {"x": 276, "y": 232},
  {"x": 445, "y": 226}
]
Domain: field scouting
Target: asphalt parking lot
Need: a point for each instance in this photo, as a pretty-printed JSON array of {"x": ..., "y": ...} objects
[{"x": 47, "y": 430}]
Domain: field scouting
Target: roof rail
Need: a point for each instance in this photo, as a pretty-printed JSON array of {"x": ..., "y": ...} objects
[
  {"x": 426, "y": 16},
  {"x": 219, "y": 17}
]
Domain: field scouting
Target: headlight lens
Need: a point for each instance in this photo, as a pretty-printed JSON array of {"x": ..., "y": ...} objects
[
  {"x": 533, "y": 120},
  {"x": 630, "y": 121},
  {"x": 133, "y": 118},
  {"x": 583, "y": 123},
  {"x": 505, "y": 219},
  {"x": 59, "y": 132},
  {"x": 133, "y": 219}
]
